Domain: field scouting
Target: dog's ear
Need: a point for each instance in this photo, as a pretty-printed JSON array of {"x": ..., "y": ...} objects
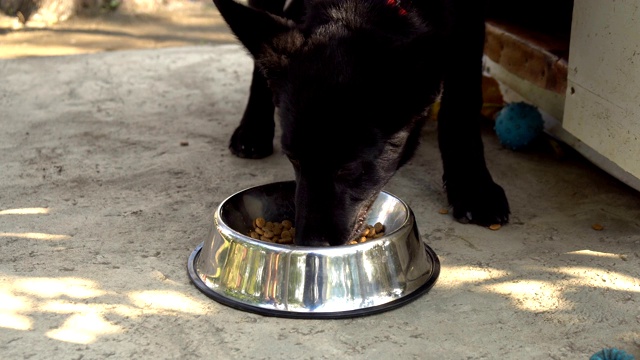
[
  {"x": 254, "y": 28},
  {"x": 275, "y": 55}
]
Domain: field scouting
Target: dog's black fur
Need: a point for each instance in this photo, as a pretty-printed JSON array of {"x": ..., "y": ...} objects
[{"x": 352, "y": 80}]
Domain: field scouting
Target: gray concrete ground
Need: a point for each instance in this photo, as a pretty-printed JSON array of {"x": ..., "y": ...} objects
[{"x": 101, "y": 206}]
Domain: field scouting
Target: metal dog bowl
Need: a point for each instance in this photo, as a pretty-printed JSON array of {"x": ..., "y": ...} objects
[{"x": 310, "y": 282}]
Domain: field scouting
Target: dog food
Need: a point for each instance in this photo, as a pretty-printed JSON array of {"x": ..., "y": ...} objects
[
  {"x": 283, "y": 232},
  {"x": 275, "y": 232},
  {"x": 369, "y": 232}
]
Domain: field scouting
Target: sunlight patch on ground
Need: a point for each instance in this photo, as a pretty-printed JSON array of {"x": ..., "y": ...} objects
[
  {"x": 83, "y": 328},
  {"x": 531, "y": 295},
  {"x": 632, "y": 336},
  {"x": 15, "y": 321},
  {"x": 88, "y": 311},
  {"x": 55, "y": 287},
  {"x": 459, "y": 275},
  {"x": 66, "y": 307},
  {"x": 10, "y": 308},
  {"x": 537, "y": 295},
  {"x": 18, "y": 51},
  {"x": 164, "y": 300},
  {"x": 596, "y": 254},
  {"x": 600, "y": 278},
  {"x": 25, "y": 211},
  {"x": 35, "y": 236}
]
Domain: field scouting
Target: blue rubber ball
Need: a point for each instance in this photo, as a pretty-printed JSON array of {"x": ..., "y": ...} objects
[
  {"x": 612, "y": 354},
  {"x": 518, "y": 124}
]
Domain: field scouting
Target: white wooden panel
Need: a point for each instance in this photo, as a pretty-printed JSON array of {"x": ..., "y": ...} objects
[{"x": 602, "y": 107}]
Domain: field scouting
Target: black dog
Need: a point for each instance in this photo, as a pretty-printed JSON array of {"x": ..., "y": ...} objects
[{"x": 352, "y": 80}]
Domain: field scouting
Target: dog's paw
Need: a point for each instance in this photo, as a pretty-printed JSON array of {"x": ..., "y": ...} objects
[
  {"x": 483, "y": 203},
  {"x": 251, "y": 143}
]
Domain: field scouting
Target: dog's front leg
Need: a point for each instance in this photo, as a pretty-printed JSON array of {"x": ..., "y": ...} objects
[
  {"x": 253, "y": 138},
  {"x": 471, "y": 191}
]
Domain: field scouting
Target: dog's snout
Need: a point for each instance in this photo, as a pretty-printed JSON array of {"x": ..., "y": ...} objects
[
  {"x": 311, "y": 235},
  {"x": 313, "y": 242}
]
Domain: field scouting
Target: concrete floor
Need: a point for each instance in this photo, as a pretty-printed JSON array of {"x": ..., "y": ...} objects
[{"x": 101, "y": 206}]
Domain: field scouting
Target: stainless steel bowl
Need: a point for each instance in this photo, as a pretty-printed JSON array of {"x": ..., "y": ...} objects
[{"x": 310, "y": 282}]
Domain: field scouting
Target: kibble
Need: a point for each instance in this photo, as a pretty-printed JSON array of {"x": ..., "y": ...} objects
[
  {"x": 284, "y": 232},
  {"x": 495, "y": 226},
  {"x": 370, "y": 232},
  {"x": 274, "y": 232}
]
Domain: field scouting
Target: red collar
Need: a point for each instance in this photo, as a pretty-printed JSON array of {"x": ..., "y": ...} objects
[{"x": 397, "y": 4}]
